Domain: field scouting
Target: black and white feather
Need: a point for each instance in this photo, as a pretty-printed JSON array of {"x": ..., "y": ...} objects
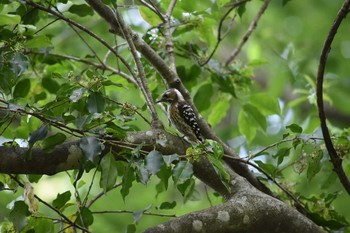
[{"x": 182, "y": 115}]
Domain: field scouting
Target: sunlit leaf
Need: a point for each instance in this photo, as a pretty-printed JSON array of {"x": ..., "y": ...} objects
[
  {"x": 6, "y": 19},
  {"x": 265, "y": 103},
  {"x": 149, "y": 16},
  {"x": 218, "y": 112}
]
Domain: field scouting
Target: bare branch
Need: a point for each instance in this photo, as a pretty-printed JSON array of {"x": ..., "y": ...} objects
[
  {"x": 248, "y": 33},
  {"x": 141, "y": 80},
  {"x": 248, "y": 210},
  {"x": 335, "y": 159}
]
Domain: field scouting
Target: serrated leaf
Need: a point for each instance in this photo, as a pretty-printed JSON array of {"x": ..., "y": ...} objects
[
  {"x": 61, "y": 200},
  {"x": 21, "y": 89},
  {"x": 294, "y": 128},
  {"x": 182, "y": 172},
  {"x": 50, "y": 142},
  {"x": 91, "y": 147},
  {"x": 81, "y": 10},
  {"x": 109, "y": 172},
  {"x": 38, "y": 134},
  {"x": 154, "y": 160},
  {"x": 96, "y": 103}
]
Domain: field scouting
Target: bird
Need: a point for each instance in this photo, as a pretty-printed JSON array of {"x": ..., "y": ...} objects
[{"x": 182, "y": 116}]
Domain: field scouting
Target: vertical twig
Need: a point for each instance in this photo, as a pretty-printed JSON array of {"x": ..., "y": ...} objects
[
  {"x": 141, "y": 79},
  {"x": 248, "y": 33},
  {"x": 335, "y": 159}
]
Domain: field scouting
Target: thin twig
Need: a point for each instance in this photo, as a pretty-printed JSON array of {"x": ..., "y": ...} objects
[
  {"x": 335, "y": 158},
  {"x": 51, "y": 207},
  {"x": 131, "y": 212},
  {"x": 141, "y": 79},
  {"x": 98, "y": 196},
  {"x": 169, "y": 46},
  {"x": 248, "y": 33},
  {"x": 89, "y": 32},
  {"x": 220, "y": 37}
]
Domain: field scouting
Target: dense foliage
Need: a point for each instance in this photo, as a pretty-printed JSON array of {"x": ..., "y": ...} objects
[{"x": 65, "y": 77}]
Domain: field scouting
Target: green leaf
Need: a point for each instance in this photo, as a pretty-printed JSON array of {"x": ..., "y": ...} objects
[
  {"x": 281, "y": 153},
  {"x": 255, "y": 114},
  {"x": 22, "y": 88},
  {"x": 154, "y": 161},
  {"x": 169, "y": 159},
  {"x": 265, "y": 103},
  {"x": 314, "y": 161},
  {"x": 131, "y": 228},
  {"x": 34, "y": 178},
  {"x": 50, "y": 142},
  {"x": 50, "y": 84},
  {"x": 137, "y": 215},
  {"x": 149, "y": 16},
  {"x": 18, "y": 215},
  {"x": 128, "y": 178},
  {"x": 96, "y": 103},
  {"x": 38, "y": 134},
  {"x": 19, "y": 64},
  {"x": 109, "y": 172},
  {"x": 186, "y": 188},
  {"x": 295, "y": 128},
  {"x": 61, "y": 200},
  {"x": 182, "y": 172},
  {"x": 268, "y": 168},
  {"x": 86, "y": 218},
  {"x": 6, "y": 19},
  {"x": 219, "y": 111},
  {"x": 167, "y": 205},
  {"x": 203, "y": 96},
  {"x": 38, "y": 42},
  {"x": 91, "y": 147},
  {"x": 246, "y": 125},
  {"x": 142, "y": 174},
  {"x": 217, "y": 148},
  {"x": 81, "y": 10},
  {"x": 164, "y": 175},
  {"x": 241, "y": 10},
  {"x": 220, "y": 169}
]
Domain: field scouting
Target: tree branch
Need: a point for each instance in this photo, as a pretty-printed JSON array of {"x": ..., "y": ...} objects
[
  {"x": 248, "y": 33},
  {"x": 248, "y": 210},
  {"x": 335, "y": 159}
]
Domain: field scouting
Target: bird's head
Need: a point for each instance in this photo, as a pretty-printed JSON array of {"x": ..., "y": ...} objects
[{"x": 170, "y": 96}]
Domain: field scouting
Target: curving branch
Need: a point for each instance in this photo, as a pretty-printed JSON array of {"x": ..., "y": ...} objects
[
  {"x": 248, "y": 33},
  {"x": 248, "y": 210},
  {"x": 335, "y": 158}
]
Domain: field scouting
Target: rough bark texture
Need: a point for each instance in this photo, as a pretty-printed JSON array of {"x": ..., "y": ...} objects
[{"x": 248, "y": 210}]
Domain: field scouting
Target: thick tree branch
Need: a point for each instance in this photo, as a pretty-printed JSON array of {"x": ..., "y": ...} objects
[
  {"x": 68, "y": 156},
  {"x": 335, "y": 159},
  {"x": 248, "y": 210}
]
